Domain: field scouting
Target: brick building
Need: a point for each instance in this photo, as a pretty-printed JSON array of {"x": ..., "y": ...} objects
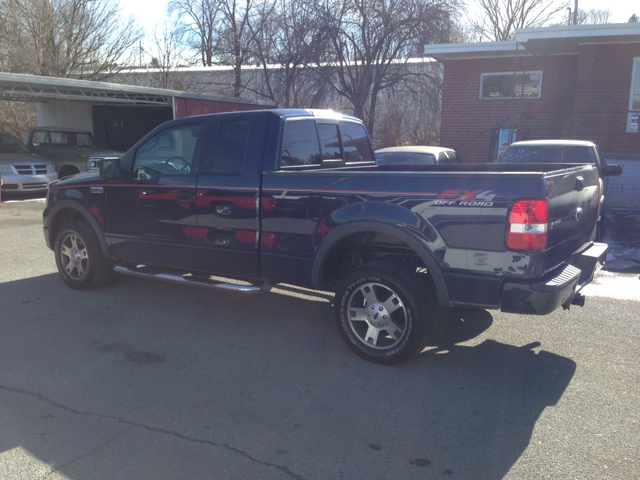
[{"x": 578, "y": 82}]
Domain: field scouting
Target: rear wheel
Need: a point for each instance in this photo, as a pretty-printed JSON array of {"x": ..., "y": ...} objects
[
  {"x": 79, "y": 257},
  {"x": 382, "y": 312}
]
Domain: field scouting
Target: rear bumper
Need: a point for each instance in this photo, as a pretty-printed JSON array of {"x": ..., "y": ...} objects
[{"x": 557, "y": 288}]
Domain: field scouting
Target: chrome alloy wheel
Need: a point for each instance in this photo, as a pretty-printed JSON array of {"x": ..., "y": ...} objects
[
  {"x": 377, "y": 316},
  {"x": 73, "y": 256}
]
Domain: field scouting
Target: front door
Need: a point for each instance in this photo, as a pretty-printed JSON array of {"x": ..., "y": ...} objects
[{"x": 152, "y": 216}]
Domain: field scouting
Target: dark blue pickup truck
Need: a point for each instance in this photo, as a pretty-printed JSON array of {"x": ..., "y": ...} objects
[{"x": 296, "y": 197}]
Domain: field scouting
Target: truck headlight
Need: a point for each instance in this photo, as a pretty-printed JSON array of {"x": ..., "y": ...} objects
[
  {"x": 5, "y": 169},
  {"x": 51, "y": 168}
]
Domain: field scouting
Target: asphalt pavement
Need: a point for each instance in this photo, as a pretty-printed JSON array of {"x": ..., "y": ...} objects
[{"x": 148, "y": 380}]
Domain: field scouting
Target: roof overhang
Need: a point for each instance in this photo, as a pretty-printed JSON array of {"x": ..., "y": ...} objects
[
  {"x": 41, "y": 89},
  {"x": 563, "y": 40},
  {"x": 462, "y": 51}
]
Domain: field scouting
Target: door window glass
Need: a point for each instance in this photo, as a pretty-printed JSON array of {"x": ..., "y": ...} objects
[
  {"x": 230, "y": 149},
  {"x": 329, "y": 141},
  {"x": 59, "y": 139},
  {"x": 170, "y": 152},
  {"x": 39, "y": 139},
  {"x": 355, "y": 143},
  {"x": 300, "y": 144}
]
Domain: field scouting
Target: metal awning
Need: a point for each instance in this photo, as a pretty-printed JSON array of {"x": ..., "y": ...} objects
[{"x": 35, "y": 88}]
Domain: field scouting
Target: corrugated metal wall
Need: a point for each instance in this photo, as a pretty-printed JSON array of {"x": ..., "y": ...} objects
[{"x": 188, "y": 107}]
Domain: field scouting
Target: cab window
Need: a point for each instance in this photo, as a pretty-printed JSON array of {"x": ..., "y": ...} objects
[
  {"x": 355, "y": 143},
  {"x": 299, "y": 144},
  {"x": 170, "y": 152},
  {"x": 230, "y": 149}
]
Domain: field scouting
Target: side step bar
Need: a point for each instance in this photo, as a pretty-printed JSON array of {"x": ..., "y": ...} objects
[{"x": 188, "y": 279}]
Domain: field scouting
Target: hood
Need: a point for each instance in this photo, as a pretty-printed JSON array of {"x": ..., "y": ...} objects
[
  {"x": 22, "y": 159},
  {"x": 79, "y": 178}
]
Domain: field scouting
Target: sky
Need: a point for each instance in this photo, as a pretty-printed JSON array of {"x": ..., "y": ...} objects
[{"x": 150, "y": 12}]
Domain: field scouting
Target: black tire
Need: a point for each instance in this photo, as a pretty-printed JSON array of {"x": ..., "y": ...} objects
[
  {"x": 382, "y": 312},
  {"x": 79, "y": 257}
]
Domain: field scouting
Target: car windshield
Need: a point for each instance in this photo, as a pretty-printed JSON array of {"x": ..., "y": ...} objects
[
  {"x": 10, "y": 144},
  {"x": 549, "y": 154},
  {"x": 405, "y": 158}
]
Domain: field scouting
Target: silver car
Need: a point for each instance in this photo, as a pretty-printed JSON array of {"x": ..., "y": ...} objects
[{"x": 21, "y": 170}]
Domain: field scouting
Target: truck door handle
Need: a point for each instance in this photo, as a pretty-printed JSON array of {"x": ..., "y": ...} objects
[
  {"x": 579, "y": 184},
  {"x": 184, "y": 196}
]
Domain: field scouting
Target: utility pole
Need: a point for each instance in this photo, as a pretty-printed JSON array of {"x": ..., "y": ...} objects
[{"x": 575, "y": 13}]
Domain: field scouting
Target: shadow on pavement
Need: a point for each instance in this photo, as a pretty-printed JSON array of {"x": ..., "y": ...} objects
[{"x": 148, "y": 380}]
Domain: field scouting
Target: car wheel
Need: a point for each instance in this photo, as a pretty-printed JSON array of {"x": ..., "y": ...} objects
[
  {"x": 79, "y": 257},
  {"x": 382, "y": 312}
]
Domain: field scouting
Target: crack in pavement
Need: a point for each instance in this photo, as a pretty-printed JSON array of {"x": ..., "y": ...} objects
[
  {"x": 91, "y": 451},
  {"x": 226, "y": 446}
]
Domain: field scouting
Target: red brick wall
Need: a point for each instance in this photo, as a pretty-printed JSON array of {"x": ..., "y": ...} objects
[
  {"x": 602, "y": 97},
  {"x": 467, "y": 121}
]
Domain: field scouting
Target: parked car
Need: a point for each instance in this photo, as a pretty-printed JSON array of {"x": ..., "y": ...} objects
[
  {"x": 296, "y": 197},
  {"x": 67, "y": 148},
  {"x": 576, "y": 152},
  {"x": 22, "y": 170},
  {"x": 417, "y": 155}
]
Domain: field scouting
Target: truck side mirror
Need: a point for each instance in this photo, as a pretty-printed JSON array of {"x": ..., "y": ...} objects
[
  {"x": 611, "y": 170},
  {"x": 110, "y": 168}
]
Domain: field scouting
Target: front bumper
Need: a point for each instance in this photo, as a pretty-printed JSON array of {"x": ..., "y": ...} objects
[
  {"x": 15, "y": 183},
  {"x": 557, "y": 288}
]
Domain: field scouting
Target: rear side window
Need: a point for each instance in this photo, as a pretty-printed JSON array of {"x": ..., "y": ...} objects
[
  {"x": 355, "y": 143},
  {"x": 230, "y": 150},
  {"x": 300, "y": 144},
  {"x": 329, "y": 141}
]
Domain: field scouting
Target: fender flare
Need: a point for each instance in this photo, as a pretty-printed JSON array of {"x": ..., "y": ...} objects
[
  {"x": 65, "y": 204},
  {"x": 412, "y": 241}
]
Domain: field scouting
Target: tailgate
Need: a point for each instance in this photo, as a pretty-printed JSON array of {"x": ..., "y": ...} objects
[{"x": 573, "y": 211}]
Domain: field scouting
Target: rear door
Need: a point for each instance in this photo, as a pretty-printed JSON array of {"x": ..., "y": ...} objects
[{"x": 228, "y": 194}]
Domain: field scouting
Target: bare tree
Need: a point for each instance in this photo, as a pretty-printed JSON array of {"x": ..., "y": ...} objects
[
  {"x": 64, "y": 38},
  {"x": 198, "y": 26},
  {"x": 593, "y": 17},
  {"x": 283, "y": 46},
  {"x": 497, "y": 20},
  {"x": 166, "y": 58},
  {"x": 370, "y": 42}
]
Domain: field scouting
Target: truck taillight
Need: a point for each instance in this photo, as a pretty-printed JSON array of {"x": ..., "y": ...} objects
[{"x": 527, "y": 226}]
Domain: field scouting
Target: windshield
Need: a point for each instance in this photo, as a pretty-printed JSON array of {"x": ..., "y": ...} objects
[
  {"x": 405, "y": 158},
  {"x": 549, "y": 154},
  {"x": 10, "y": 144}
]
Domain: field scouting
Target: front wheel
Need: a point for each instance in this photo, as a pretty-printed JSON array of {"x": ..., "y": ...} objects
[
  {"x": 79, "y": 257},
  {"x": 381, "y": 310}
]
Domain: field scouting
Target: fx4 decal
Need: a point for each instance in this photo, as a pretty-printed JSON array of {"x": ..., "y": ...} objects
[{"x": 467, "y": 198}]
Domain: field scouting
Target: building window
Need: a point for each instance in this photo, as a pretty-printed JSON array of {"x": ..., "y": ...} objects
[
  {"x": 633, "y": 117},
  {"x": 510, "y": 85}
]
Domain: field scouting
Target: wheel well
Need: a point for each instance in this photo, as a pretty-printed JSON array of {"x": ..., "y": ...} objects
[
  {"x": 64, "y": 216},
  {"x": 365, "y": 247},
  {"x": 67, "y": 170}
]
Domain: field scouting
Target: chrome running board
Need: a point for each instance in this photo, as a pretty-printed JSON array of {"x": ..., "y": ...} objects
[{"x": 145, "y": 271}]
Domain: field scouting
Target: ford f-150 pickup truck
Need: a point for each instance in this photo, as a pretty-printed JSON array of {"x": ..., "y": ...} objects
[{"x": 296, "y": 197}]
